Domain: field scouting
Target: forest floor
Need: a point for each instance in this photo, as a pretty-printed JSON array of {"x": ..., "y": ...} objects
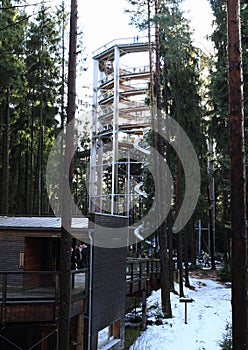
[
  {"x": 205, "y": 273},
  {"x": 208, "y": 316}
]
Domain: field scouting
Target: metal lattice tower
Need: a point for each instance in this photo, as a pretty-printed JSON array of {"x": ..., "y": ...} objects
[{"x": 120, "y": 118}]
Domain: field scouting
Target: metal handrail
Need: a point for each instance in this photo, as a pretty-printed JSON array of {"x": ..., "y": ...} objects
[{"x": 120, "y": 41}]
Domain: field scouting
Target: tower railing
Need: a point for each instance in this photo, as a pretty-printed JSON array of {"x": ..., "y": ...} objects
[{"x": 122, "y": 41}]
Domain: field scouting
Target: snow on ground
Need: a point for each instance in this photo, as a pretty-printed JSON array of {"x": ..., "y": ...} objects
[{"x": 207, "y": 319}]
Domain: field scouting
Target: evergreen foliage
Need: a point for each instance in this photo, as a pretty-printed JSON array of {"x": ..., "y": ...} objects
[
  {"x": 183, "y": 99},
  {"x": 33, "y": 69},
  {"x": 218, "y": 127},
  {"x": 226, "y": 343},
  {"x": 178, "y": 83},
  {"x": 12, "y": 68}
]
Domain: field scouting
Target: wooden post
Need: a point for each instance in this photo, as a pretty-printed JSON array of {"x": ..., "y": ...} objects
[
  {"x": 4, "y": 292},
  {"x": 185, "y": 313},
  {"x": 116, "y": 329},
  {"x": 143, "y": 324},
  {"x": 185, "y": 301},
  {"x": 56, "y": 294},
  {"x": 80, "y": 331},
  {"x": 44, "y": 342}
]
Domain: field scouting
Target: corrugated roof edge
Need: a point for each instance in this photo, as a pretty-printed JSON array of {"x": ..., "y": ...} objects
[{"x": 39, "y": 222}]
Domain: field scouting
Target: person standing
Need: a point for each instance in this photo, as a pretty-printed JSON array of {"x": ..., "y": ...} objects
[{"x": 84, "y": 256}]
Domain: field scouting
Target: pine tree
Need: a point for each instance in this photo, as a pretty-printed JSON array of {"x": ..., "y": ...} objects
[
  {"x": 11, "y": 67},
  {"x": 43, "y": 59},
  {"x": 238, "y": 179},
  {"x": 179, "y": 88},
  {"x": 218, "y": 128},
  {"x": 219, "y": 121},
  {"x": 31, "y": 100},
  {"x": 182, "y": 101},
  {"x": 229, "y": 177}
]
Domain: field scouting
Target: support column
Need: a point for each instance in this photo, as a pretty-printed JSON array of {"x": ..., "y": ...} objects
[
  {"x": 114, "y": 199},
  {"x": 92, "y": 181},
  {"x": 144, "y": 317},
  {"x": 80, "y": 331}
]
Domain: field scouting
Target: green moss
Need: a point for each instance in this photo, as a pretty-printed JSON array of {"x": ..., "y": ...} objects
[{"x": 131, "y": 334}]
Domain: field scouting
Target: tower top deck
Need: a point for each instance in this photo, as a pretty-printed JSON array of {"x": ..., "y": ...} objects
[{"x": 127, "y": 45}]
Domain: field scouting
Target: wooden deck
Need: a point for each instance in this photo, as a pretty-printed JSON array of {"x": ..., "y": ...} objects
[
  {"x": 35, "y": 296},
  {"x": 39, "y": 303},
  {"x": 142, "y": 274}
]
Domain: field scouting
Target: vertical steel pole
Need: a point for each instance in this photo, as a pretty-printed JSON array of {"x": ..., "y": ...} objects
[
  {"x": 92, "y": 182},
  {"x": 114, "y": 198}
]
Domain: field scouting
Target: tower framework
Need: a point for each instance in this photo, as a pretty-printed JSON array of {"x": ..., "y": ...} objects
[{"x": 120, "y": 120}]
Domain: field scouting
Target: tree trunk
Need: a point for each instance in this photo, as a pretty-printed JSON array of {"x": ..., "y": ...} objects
[
  {"x": 226, "y": 233},
  {"x": 170, "y": 246},
  {"x": 65, "y": 307},
  {"x": 40, "y": 158},
  {"x": 180, "y": 233},
  {"x": 180, "y": 262},
  {"x": 31, "y": 200},
  {"x": 21, "y": 181},
  {"x": 160, "y": 182},
  {"x": 41, "y": 132},
  {"x": 186, "y": 256},
  {"x": 238, "y": 180},
  {"x": 193, "y": 245},
  {"x": 5, "y": 158},
  {"x": 211, "y": 201},
  {"x": 211, "y": 231}
]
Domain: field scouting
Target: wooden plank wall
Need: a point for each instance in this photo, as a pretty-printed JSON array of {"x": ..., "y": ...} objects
[
  {"x": 109, "y": 279},
  {"x": 10, "y": 248},
  {"x": 41, "y": 253}
]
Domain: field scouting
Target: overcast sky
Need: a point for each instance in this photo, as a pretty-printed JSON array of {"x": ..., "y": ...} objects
[{"x": 105, "y": 20}]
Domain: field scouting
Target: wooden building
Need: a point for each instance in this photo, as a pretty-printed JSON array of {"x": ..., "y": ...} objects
[
  {"x": 30, "y": 283},
  {"x": 100, "y": 293},
  {"x": 30, "y": 286}
]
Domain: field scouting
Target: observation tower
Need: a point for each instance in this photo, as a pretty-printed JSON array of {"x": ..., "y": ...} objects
[{"x": 121, "y": 117}]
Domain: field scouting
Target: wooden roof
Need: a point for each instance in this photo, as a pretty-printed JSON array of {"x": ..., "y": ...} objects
[{"x": 39, "y": 223}]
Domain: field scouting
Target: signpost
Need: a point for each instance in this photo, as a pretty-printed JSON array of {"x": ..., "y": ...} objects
[{"x": 186, "y": 301}]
